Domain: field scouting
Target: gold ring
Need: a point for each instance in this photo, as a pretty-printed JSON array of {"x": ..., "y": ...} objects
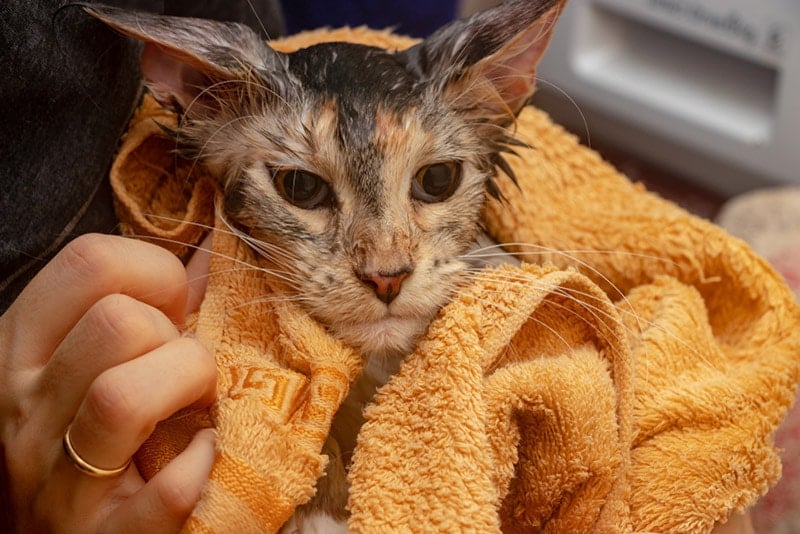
[{"x": 85, "y": 467}]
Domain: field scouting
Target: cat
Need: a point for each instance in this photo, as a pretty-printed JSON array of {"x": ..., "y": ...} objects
[{"x": 360, "y": 173}]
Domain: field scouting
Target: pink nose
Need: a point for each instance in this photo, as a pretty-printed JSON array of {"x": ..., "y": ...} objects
[{"x": 386, "y": 286}]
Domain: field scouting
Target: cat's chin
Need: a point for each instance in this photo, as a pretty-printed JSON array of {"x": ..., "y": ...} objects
[{"x": 388, "y": 337}]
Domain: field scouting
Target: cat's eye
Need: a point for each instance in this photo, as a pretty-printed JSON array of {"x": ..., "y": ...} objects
[
  {"x": 437, "y": 182},
  {"x": 302, "y": 188}
]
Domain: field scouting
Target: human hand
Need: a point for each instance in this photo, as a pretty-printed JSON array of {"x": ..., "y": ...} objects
[{"x": 91, "y": 344}]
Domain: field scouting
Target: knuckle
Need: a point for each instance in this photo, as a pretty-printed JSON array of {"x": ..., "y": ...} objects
[
  {"x": 104, "y": 263},
  {"x": 110, "y": 403},
  {"x": 122, "y": 320},
  {"x": 89, "y": 256}
]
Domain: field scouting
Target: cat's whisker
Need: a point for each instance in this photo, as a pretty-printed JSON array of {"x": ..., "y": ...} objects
[
  {"x": 284, "y": 276},
  {"x": 588, "y": 267},
  {"x": 253, "y": 81},
  {"x": 641, "y": 323},
  {"x": 534, "y": 249},
  {"x": 263, "y": 247},
  {"x": 258, "y": 18},
  {"x": 584, "y": 300},
  {"x": 599, "y": 314},
  {"x": 201, "y": 151},
  {"x": 574, "y": 104},
  {"x": 177, "y": 221},
  {"x": 509, "y": 311},
  {"x": 249, "y": 82},
  {"x": 541, "y": 250},
  {"x": 272, "y": 299},
  {"x": 569, "y": 346}
]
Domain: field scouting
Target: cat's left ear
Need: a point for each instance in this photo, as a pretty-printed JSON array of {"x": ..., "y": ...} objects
[
  {"x": 486, "y": 64},
  {"x": 185, "y": 59}
]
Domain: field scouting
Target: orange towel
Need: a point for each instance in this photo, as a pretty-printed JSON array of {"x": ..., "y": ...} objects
[{"x": 629, "y": 378}]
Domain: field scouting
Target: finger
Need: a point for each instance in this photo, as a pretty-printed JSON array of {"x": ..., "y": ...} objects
[
  {"x": 66, "y": 501},
  {"x": 115, "y": 330},
  {"x": 124, "y": 403},
  {"x": 165, "y": 502},
  {"x": 89, "y": 268},
  {"x": 197, "y": 274}
]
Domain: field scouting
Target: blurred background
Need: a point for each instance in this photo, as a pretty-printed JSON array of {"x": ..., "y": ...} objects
[{"x": 703, "y": 95}]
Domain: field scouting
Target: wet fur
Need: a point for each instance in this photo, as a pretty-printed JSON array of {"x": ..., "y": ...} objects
[{"x": 366, "y": 120}]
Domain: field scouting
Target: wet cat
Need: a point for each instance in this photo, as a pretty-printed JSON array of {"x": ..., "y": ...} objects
[{"x": 360, "y": 173}]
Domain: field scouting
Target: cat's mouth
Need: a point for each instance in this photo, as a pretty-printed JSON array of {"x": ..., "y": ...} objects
[
  {"x": 387, "y": 315},
  {"x": 385, "y": 336}
]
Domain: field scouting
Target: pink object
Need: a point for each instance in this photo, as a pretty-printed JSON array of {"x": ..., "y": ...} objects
[{"x": 769, "y": 220}]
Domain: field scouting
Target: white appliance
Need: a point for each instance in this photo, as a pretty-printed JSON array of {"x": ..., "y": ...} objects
[{"x": 709, "y": 88}]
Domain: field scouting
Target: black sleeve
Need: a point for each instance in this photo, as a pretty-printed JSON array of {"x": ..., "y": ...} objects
[{"x": 68, "y": 88}]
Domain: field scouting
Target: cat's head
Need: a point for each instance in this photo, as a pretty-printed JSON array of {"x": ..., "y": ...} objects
[{"x": 362, "y": 171}]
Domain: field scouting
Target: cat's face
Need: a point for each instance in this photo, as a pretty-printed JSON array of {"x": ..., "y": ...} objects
[
  {"x": 359, "y": 173},
  {"x": 372, "y": 188}
]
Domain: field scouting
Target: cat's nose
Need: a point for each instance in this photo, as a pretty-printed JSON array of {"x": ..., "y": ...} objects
[{"x": 385, "y": 285}]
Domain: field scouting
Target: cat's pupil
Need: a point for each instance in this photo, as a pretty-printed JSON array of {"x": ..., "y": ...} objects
[
  {"x": 437, "y": 182},
  {"x": 302, "y": 188}
]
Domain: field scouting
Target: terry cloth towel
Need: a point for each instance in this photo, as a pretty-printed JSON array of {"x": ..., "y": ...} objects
[{"x": 628, "y": 378}]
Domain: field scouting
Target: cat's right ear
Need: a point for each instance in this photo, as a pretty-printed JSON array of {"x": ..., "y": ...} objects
[
  {"x": 184, "y": 57},
  {"x": 486, "y": 64}
]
